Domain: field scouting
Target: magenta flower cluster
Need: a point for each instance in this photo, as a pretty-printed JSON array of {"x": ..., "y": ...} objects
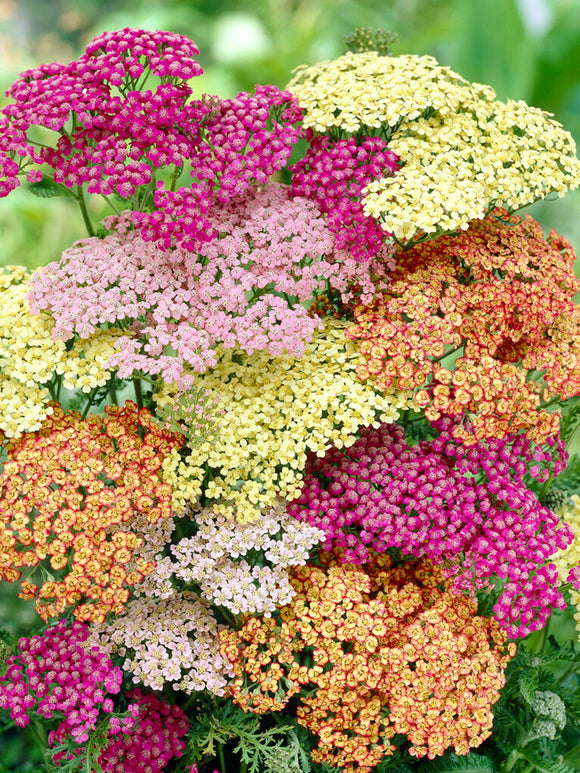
[
  {"x": 334, "y": 174},
  {"x": 156, "y": 739},
  {"x": 467, "y": 506},
  {"x": 56, "y": 677},
  {"x": 236, "y": 144},
  {"x": 114, "y": 141}
]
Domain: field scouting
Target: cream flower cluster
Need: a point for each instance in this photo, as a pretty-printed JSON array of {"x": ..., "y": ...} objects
[
  {"x": 568, "y": 559},
  {"x": 171, "y": 640},
  {"x": 275, "y": 410},
  {"x": 221, "y": 559},
  {"x": 462, "y": 151},
  {"x": 29, "y": 357}
]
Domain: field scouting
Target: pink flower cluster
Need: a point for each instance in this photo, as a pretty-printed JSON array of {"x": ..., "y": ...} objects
[
  {"x": 117, "y": 139},
  {"x": 8, "y": 174},
  {"x": 54, "y": 674},
  {"x": 156, "y": 739},
  {"x": 244, "y": 289},
  {"x": 467, "y": 506},
  {"x": 334, "y": 175}
]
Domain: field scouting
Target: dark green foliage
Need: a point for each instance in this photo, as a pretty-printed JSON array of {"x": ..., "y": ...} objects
[{"x": 451, "y": 763}]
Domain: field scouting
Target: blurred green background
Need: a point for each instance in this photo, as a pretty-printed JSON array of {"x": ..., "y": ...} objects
[{"x": 525, "y": 49}]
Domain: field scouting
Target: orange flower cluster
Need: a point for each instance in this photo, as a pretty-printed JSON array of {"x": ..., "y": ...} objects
[
  {"x": 373, "y": 651},
  {"x": 503, "y": 294},
  {"x": 64, "y": 489}
]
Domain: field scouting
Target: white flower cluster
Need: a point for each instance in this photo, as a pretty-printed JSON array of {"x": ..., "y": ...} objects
[{"x": 243, "y": 567}]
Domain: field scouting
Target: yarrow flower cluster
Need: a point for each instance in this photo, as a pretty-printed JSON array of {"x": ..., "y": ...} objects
[
  {"x": 334, "y": 175},
  {"x": 111, "y": 147},
  {"x": 221, "y": 558},
  {"x": 418, "y": 661},
  {"x": 171, "y": 640},
  {"x": 501, "y": 294},
  {"x": 467, "y": 510},
  {"x": 65, "y": 489},
  {"x": 157, "y": 739},
  {"x": 275, "y": 410},
  {"x": 54, "y": 675},
  {"x": 144, "y": 741},
  {"x": 331, "y": 496},
  {"x": 30, "y": 358},
  {"x": 462, "y": 152}
]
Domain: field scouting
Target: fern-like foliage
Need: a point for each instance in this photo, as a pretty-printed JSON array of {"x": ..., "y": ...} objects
[{"x": 452, "y": 763}]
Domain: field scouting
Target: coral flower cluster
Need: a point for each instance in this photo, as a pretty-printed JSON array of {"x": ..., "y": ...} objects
[
  {"x": 391, "y": 653},
  {"x": 65, "y": 491},
  {"x": 503, "y": 296}
]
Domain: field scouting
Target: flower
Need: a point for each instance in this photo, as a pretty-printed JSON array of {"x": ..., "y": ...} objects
[
  {"x": 499, "y": 293},
  {"x": 66, "y": 489},
  {"x": 461, "y": 151},
  {"x": 390, "y": 652},
  {"x": 275, "y": 410},
  {"x": 56, "y": 673}
]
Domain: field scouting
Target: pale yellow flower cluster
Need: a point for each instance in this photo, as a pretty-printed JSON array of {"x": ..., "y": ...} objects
[
  {"x": 462, "y": 151},
  {"x": 29, "y": 357},
  {"x": 275, "y": 411},
  {"x": 569, "y": 558}
]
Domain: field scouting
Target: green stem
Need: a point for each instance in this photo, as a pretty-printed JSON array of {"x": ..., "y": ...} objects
[
  {"x": 545, "y": 487},
  {"x": 138, "y": 392},
  {"x": 113, "y": 391},
  {"x": 89, "y": 403},
  {"x": 571, "y": 753},
  {"x": 222, "y": 758},
  {"x": 40, "y": 734},
  {"x": 110, "y": 203},
  {"x": 84, "y": 211}
]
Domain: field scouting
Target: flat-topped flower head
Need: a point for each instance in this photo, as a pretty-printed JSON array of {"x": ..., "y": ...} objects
[
  {"x": 461, "y": 151},
  {"x": 468, "y": 511},
  {"x": 56, "y": 673},
  {"x": 109, "y": 126},
  {"x": 66, "y": 490},
  {"x": 389, "y": 652},
  {"x": 275, "y": 410},
  {"x": 502, "y": 295}
]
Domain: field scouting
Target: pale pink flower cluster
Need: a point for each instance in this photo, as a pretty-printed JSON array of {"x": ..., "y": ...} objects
[
  {"x": 171, "y": 640},
  {"x": 244, "y": 289},
  {"x": 243, "y": 567}
]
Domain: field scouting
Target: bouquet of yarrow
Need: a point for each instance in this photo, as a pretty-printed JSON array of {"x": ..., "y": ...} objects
[{"x": 285, "y": 435}]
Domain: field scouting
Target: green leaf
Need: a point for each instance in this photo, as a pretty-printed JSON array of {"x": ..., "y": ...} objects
[
  {"x": 470, "y": 763},
  {"x": 543, "y": 766},
  {"x": 528, "y": 685},
  {"x": 48, "y": 189}
]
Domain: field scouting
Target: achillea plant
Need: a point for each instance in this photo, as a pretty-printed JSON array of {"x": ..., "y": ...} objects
[
  {"x": 390, "y": 652},
  {"x": 306, "y": 544}
]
